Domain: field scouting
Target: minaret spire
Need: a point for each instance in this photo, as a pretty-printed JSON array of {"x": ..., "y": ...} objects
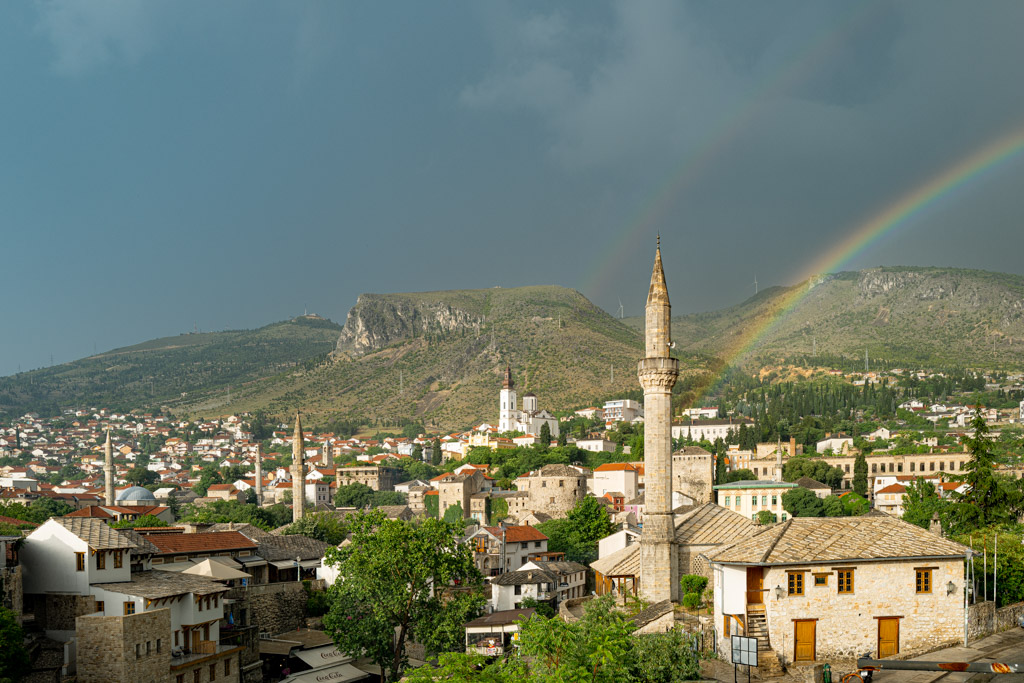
[
  {"x": 659, "y": 557},
  {"x": 108, "y": 470},
  {"x": 298, "y": 471},
  {"x": 259, "y": 474}
]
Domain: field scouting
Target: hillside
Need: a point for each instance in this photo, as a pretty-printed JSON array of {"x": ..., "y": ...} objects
[
  {"x": 163, "y": 370},
  {"x": 903, "y": 315},
  {"x": 437, "y": 358}
]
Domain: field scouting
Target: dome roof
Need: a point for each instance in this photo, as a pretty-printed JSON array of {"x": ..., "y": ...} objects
[
  {"x": 530, "y": 394},
  {"x": 136, "y": 493}
]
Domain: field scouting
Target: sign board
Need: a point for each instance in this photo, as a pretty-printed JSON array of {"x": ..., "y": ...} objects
[{"x": 744, "y": 650}]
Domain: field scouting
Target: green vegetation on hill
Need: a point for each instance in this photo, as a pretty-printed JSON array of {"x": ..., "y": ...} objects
[
  {"x": 198, "y": 366},
  {"x": 901, "y": 315},
  {"x": 437, "y": 359}
]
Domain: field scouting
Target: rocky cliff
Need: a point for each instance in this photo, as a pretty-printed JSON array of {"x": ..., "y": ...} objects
[{"x": 378, "y": 321}]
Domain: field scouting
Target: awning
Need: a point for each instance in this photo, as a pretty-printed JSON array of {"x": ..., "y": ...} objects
[
  {"x": 323, "y": 656},
  {"x": 216, "y": 571},
  {"x": 277, "y": 647},
  {"x": 339, "y": 673},
  {"x": 252, "y": 561},
  {"x": 174, "y": 566},
  {"x": 290, "y": 564}
]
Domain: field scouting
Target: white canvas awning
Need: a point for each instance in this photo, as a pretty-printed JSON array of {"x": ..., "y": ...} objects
[
  {"x": 323, "y": 656},
  {"x": 290, "y": 564},
  {"x": 338, "y": 673},
  {"x": 216, "y": 571}
]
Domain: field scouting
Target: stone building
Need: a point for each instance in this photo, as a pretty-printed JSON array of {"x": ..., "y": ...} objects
[
  {"x": 553, "y": 490},
  {"x": 827, "y": 589},
  {"x": 497, "y": 550},
  {"x": 748, "y": 498},
  {"x": 693, "y": 474},
  {"x": 529, "y": 420},
  {"x": 458, "y": 489},
  {"x": 377, "y": 477}
]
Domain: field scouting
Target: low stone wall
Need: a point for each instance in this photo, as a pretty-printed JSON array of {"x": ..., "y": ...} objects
[
  {"x": 277, "y": 607},
  {"x": 1006, "y": 617},
  {"x": 984, "y": 619}
]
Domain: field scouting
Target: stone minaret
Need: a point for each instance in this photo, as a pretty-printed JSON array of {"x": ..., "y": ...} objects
[
  {"x": 298, "y": 472},
  {"x": 659, "y": 557},
  {"x": 108, "y": 471},
  {"x": 259, "y": 474}
]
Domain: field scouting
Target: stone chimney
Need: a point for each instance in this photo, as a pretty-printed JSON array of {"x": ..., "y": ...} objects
[{"x": 935, "y": 526}]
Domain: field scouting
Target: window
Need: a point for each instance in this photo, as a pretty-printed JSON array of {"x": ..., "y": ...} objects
[
  {"x": 101, "y": 560},
  {"x": 543, "y": 484},
  {"x": 727, "y": 501},
  {"x": 213, "y": 672},
  {"x": 158, "y": 648},
  {"x": 753, "y": 501},
  {"x": 149, "y": 646},
  {"x": 561, "y": 483},
  {"x": 783, "y": 516},
  {"x": 99, "y": 605},
  {"x": 524, "y": 545},
  {"x": 138, "y": 650},
  {"x": 197, "y": 676},
  {"x": 244, "y": 553},
  {"x": 764, "y": 500},
  {"x": 180, "y": 678},
  {"x": 775, "y": 501},
  {"x": 931, "y": 466},
  {"x": 844, "y": 577},
  {"x": 923, "y": 582},
  {"x": 79, "y": 562},
  {"x": 227, "y": 667},
  {"x": 874, "y": 467},
  {"x": 796, "y": 583},
  {"x": 847, "y": 468},
  {"x": 519, "y": 590},
  {"x": 159, "y": 560},
  {"x": 911, "y": 467},
  {"x": 552, "y": 500},
  {"x": 536, "y": 544},
  {"x": 118, "y": 559},
  {"x": 821, "y": 579},
  {"x": 129, "y": 608}
]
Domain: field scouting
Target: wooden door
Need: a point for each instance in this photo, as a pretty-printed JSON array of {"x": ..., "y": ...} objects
[
  {"x": 755, "y": 585},
  {"x": 803, "y": 650},
  {"x": 888, "y": 636},
  {"x": 195, "y": 640}
]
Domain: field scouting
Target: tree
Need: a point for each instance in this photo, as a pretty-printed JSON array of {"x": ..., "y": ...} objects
[
  {"x": 721, "y": 474},
  {"x": 577, "y": 535},
  {"x": 801, "y": 502},
  {"x": 563, "y": 439},
  {"x": 435, "y": 454},
  {"x": 14, "y": 660},
  {"x": 920, "y": 503},
  {"x": 417, "y": 452},
  {"x": 988, "y": 498},
  {"x": 250, "y": 496},
  {"x": 545, "y": 435},
  {"x": 455, "y": 515},
  {"x": 832, "y": 506},
  {"x": 173, "y": 504},
  {"x": 855, "y": 505},
  {"x": 544, "y": 609},
  {"x": 354, "y": 495},
  {"x": 140, "y": 476},
  {"x": 141, "y": 523},
  {"x": 322, "y": 526},
  {"x": 860, "y": 475},
  {"x": 590, "y": 521},
  {"x": 392, "y": 581},
  {"x": 42, "y": 509},
  {"x": 740, "y": 475},
  {"x": 765, "y": 517},
  {"x": 499, "y": 511}
]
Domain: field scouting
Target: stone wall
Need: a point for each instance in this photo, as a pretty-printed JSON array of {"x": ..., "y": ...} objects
[
  {"x": 377, "y": 478},
  {"x": 58, "y": 612},
  {"x": 847, "y": 625},
  {"x": 693, "y": 476},
  {"x": 984, "y": 619},
  {"x": 124, "y": 648},
  {"x": 552, "y": 495},
  {"x": 12, "y": 589},
  {"x": 277, "y": 607}
]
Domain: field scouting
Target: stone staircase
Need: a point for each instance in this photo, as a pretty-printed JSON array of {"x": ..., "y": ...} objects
[{"x": 757, "y": 627}]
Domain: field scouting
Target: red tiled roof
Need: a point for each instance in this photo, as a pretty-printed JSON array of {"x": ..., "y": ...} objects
[
  {"x": 892, "y": 488},
  {"x": 16, "y": 522},
  {"x": 615, "y": 467},
  {"x": 198, "y": 543},
  {"x": 517, "y": 534}
]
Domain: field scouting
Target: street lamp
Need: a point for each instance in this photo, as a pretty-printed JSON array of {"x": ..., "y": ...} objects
[{"x": 298, "y": 569}]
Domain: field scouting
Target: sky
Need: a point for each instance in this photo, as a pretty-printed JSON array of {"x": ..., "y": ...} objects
[{"x": 166, "y": 165}]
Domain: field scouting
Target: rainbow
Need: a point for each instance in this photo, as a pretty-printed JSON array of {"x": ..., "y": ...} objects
[
  {"x": 907, "y": 207},
  {"x": 730, "y": 127}
]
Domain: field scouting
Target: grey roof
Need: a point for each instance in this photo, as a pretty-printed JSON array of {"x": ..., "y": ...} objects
[
  {"x": 692, "y": 450},
  {"x": 711, "y": 524},
  {"x": 288, "y": 547},
  {"x": 623, "y": 562},
  {"x": 558, "y": 470},
  {"x": 809, "y": 483},
  {"x": 655, "y": 611},
  {"x": 502, "y": 618},
  {"x": 757, "y": 484},
  {"x": 142, "y": 545},
  {"x": 99, "y": 535},
  {"x": 524, "y": 576},
  {"x": 136, "y": 493},
  {"x": 810, "y": 540},
  {"x": 560, "y": 567},
  {"x": 158, "y": 584},
  {"x": 250, "y": 531}
]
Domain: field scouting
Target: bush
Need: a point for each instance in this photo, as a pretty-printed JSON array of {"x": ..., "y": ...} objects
[
  {"x": 691, "y": 600},
  {"x": 693, "y": 583},
  {"x": 317, "y": 604}
]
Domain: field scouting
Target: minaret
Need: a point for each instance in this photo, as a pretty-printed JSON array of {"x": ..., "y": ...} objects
[
  {"x": 507, "y": 414},
  {"x": 108, "y": 471},
  {"x": 325, "y": 457},
  {"x": 659, "y": 557},
  {"x": 298, "y": 472},
  {"x": 259, "y": 474}
]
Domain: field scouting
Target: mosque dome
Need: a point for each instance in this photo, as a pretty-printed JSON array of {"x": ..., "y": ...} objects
[{"x": 136, "y": 493}]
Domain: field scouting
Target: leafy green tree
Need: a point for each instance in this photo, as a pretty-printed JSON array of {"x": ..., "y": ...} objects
[
  {"x": 832, "y": 506},
  {"x": 854, "y": 505},
  {"x": 14, "y": 658},
  {"x": 920, "y": 503},
  {"x": 801, "y": 502},
  {"x": 454, "y": 515},
  {"x": 860, "y": 475},
  {"x": 577, "y": 535},
  {"x": 765, "y": 517},
  {"x": 721, "y": 474},
  {"x": 354, "y": 495},
  {"x": 140, "y": 476},
  {"x": 391, "y": 586},
  {"x": 141, "y": 523},
  {"x": 665, "y": 658},
  {"x": 499, "y": 511},
  {"x": 250, "y": 497},
  {"x": 740, "y": 475},
  {"x": 41, "y": 509},
  {"x": 544, "y": 609},
  {"x": 435, "y": 454},
  {"x": 174, "y": 504},
  {"x": 322, "y": 526},
  {"x": 563, "y": 438},
  {"x": 431, "y": 504},
  {"x": 417, "y": 452},
  {"x": 590, "y": 520}
]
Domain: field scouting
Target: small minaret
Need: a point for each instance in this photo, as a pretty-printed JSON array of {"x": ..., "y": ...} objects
[
  {"x": 507, "y": 414},
  {"x": 659, "y": 557},
  {"x": 298, "y": 472},
  {"x": 108, "y": 471},
  {"x": 259, "y": 474}
]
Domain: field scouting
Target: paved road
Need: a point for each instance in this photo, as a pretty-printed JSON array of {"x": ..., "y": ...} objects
[{"x": 1007, "y": 646}]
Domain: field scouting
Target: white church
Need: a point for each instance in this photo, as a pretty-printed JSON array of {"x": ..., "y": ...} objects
[{"x": 529, "y": 420}]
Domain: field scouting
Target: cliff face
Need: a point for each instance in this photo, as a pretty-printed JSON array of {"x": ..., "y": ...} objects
[{"x": 376, "y": 322}]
